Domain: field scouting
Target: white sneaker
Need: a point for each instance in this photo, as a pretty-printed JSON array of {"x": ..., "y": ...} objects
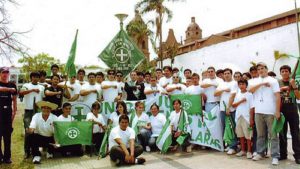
[
  {"x": 241, "y": 153},
  {"x": 257, "y": 157},
  {"x": 275, "y": 161},
  {"x": 254, "y": 153},
  {"x": 36, "y": 160},
  {"x": 231, "y": 151},
  {"x": 148, "y": 149},
  {"x": 189, "y": 149},
  {"x": 49, "y": 156},
  {"x": 249, "y": 155},
  {"x": 226, "y": 149}
]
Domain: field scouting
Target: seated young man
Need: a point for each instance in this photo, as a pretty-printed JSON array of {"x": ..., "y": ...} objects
[
  {"x": 123, "y": 149},
  {"x": 41, "y": 130}
]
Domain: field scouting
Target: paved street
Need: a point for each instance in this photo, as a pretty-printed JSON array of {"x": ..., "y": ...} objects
[{"x": 206, "y": 159}]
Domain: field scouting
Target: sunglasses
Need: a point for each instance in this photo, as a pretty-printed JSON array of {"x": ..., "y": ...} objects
[
  {"x": 175, "y": 77},
  {"x": 111, "y": 74},
  {"x": 119, "y": 75}
]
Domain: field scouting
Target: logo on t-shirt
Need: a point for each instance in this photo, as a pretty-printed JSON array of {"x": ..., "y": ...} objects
[{"x": 72, "y": 132}]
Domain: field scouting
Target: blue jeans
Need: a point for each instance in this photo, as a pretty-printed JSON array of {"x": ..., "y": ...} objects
[
  {"x": 143, "y": 137},
  {"x": 232, "y": 114}
]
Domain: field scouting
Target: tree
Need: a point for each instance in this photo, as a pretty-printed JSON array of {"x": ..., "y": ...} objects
[
  {"x": 157, "y": 6},
  {"x": 9, "y": 43},
  {"x": 39, "y": 62}
]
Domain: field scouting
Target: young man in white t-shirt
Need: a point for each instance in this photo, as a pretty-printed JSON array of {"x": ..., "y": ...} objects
[
  {"x": 121, "y": 141},
  {"x": 111, "y": 90},
  {"x": 244, "y": 117},
  {"x": 167, "y": 78},
  {"x": 209, "y": 85},
  {"x": 33, "y": 93},
  {"x": 154, "y": 90},
  {"x": 176, "y": 87},
  {"x": 73, "y": 87},
  {"x": 224, "y": 91},
  {"x": 41, "y": 130},
  {"x": 266, "y": 93},
  {"x": 91, "y": 91}
]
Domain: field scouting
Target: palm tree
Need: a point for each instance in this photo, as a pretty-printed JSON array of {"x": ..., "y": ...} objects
[{"x": 157, "y": 6}]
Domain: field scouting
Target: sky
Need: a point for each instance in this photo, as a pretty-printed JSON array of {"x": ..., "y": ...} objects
[{"x": 53, "y": 23}]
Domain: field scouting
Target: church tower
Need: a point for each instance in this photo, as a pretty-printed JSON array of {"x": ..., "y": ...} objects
[{"x": 193, "y": 32}]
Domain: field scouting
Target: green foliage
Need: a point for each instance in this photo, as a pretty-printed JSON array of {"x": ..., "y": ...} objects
[
  {"x": 39, "y": 62},
  {"x": 145, "y": 66}
]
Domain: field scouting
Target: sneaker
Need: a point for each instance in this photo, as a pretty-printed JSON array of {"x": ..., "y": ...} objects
[
  {"x": 148, "y": 149},
  {"x": 231, "y": 151},
  {"x": 249, "y": 155},
  {"x": 189, "y": 149},
  {"x": 226, "y": 149},
  {"x": 49, "y": 155},
  {"x": 241, "y": 153},
  {"x": 36, "y": 160},
  {"x": 257, "y": 157},
  {"x": 275, "y": 161},
  {"x": 140, "y": 160},
  {"x": 254, "y": 153}
]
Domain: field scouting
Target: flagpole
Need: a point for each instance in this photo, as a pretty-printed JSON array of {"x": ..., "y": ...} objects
[{"x": 298, "y": 37}]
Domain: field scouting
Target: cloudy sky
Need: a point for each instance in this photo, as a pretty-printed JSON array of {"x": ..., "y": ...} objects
[{"x": 54, "y": 22}]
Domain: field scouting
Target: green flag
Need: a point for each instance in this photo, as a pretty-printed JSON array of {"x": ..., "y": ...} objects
[
  {"x": 164, "y": 140},
  {"x": 104, "y": 144},
  {"x": 184, "y": 127},
  {"x": 229, "y": 136},
  {"x": 192, "y": 104},
  {"x": 70, "y": 133},
  {"x": 122, "y": 54},
  {"x": 70, "y": 65}
]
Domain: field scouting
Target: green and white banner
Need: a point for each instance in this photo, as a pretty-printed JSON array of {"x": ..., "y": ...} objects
[
  {"x": 122, "y": 54},
  {"x": 76, "y": 132},
  {"x": 205, "y": 127}
]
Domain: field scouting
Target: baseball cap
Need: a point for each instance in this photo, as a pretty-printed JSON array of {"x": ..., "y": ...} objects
[{"x": 4, "y": 69}]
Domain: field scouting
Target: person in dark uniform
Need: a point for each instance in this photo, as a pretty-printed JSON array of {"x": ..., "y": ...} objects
[
  {"x": 55, "y": 94},
  {"x": 8, "y": 109}
]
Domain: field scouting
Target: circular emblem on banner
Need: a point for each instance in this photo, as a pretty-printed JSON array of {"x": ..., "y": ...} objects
[
  {"x": 186, "y": 104},
  {"x": 122, "y": 55},
  {"x": 72, "y": 133}
]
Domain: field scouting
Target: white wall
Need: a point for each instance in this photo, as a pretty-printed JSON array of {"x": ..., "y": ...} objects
[{"x": 237, "y": 54}]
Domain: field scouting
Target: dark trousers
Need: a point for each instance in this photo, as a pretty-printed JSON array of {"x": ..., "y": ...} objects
[
  {"x": 37, "y": 141},
  {"x": 184, "y": 144},
  {"x": 5, "y": 132},
  {"x": 116, "y": 152},
  {"x": 96, "y": 140},
  {"x": 293, "y": 119},
  {"x": 74, "y": 150},
  {"x": 28, "y": 114}
]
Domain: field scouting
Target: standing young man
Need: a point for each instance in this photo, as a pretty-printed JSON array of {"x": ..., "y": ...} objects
[
  {"x": 289, "y": 93},
  {"x": 33, "y": 93},
  {"x": 111, "y": 89},
  {"x": 8, "y": 109},
  {"x": 267, "y": 107}
]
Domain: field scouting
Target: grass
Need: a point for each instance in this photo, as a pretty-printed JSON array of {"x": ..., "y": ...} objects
[{"x": 17, "y": 144}]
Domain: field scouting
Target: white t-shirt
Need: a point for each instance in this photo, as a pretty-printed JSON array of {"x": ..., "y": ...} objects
[
  {"x": 176, "y": 91},
  {"x": 28, "y": 98},
  {"x": 226, "y": 95},
  {"x": 264, "y": 97},
  {"x": 99, "y": 119},
  {"x": 62, "y": 118},
  {"x": 110, "y": 94},
  {"x": 244, "y": 108},
  {"x": 125, "y": 136},
  {"x": 114, "y": 117},
  {"x": 153, "y": 95},
  {"x": 164, "y": 80},
  {"x": 193, "y": 90},
  {"x": 174, "y": 119},
  {"x": 81, "y": 83},
  {"x": 42, "y": 127},
  {"x": 210, "y": 91},
  {"x": 76, "y": 89},
  {"x": 92, "y": 97},
  {"x": 157, "y": 124}
]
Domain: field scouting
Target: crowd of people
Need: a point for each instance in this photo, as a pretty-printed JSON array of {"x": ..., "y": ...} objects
[{"x": 254, "y": 100}]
